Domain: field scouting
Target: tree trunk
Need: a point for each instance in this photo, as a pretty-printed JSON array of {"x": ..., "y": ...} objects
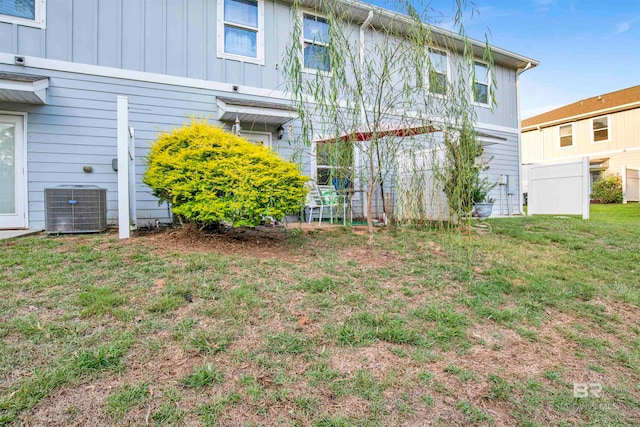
[{"x": 370, "y": 198}]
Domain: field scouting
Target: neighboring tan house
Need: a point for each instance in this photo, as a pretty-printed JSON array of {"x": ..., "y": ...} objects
[
  {"x": 605, "y": 128},
  {"x": 63, "y": 63}
]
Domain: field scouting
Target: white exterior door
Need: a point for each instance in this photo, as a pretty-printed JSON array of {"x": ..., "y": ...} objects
[
  {"x": 12, "y": 173},
  {"x": 262, "y": 138}
]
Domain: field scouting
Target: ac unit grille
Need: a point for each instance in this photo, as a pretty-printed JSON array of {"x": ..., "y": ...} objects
[{"x": 75, "y": 209}]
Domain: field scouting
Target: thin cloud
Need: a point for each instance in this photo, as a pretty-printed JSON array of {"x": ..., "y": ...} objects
[
  {"x": 625, "y": 26},
  {"x": 544, "y": 5},
  {"x": 622, "y": 27}
]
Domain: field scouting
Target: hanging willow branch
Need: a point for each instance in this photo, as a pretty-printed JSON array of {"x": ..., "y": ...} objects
[{"x": 392, "y": 83}]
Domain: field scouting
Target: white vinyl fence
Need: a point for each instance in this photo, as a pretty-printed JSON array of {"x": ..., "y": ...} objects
[
  {"x": 418, "y": 198},
  {"x": 560, "y": 189},
  {"x": 630, "y": 185}
]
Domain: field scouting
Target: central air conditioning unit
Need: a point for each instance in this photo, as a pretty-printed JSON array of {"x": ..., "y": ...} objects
[{"x": 75, "y": 209}]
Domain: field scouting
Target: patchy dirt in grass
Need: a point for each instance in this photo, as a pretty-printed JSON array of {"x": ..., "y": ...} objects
[{"x": 266, "y": 244}]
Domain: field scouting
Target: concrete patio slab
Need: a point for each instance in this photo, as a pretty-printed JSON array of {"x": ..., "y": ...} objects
[{"x": 12, "y": 234}]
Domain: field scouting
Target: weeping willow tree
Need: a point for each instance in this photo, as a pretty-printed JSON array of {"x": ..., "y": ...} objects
[{"x": 379, "y": 99}]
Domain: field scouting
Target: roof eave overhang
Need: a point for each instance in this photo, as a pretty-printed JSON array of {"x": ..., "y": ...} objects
[
  {"x": 583, "y": 116},
  {"x": 22, "y": 92},
  {"x": 397, "y": 22},
  {"x": 228, "y": 112}
]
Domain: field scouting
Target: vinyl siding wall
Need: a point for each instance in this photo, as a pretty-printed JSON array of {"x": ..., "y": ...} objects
[
  {"x": 622, "y": 148},
  {"x": 78, "y": 128},
  {"x": 168, "y": 37},
  {"x": 179, "y": 38},
  {"x": 174, "y": 37}
]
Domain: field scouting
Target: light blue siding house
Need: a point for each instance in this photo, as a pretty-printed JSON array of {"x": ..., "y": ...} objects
[{"x": 63, "y": 63}]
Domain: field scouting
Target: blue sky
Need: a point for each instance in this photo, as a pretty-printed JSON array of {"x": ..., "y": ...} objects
[{"x": 585, "y": 47}]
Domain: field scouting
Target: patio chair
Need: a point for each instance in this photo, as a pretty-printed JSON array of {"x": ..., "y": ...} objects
[{"x": 321, "y": 199}]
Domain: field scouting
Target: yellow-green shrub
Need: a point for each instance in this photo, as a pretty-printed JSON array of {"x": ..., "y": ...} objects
[{"x": 211, "y": 176}]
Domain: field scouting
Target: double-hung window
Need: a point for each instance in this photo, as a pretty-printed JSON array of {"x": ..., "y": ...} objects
[
  {"x": 240, "y": 30},
  {"x": 23, "y": 12},
  {"x": 600, "y": 127},
  {"x": 315, "y": 42},
  {"x": 438, "y": 72},
  {"x": 481, "y": 83},
  {"x": 566, "y": 135}
]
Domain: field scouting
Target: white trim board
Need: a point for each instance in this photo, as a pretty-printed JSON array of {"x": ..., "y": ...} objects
[
  {"x": 143, "y": 76},
  {"x": 579, "y": 156}
]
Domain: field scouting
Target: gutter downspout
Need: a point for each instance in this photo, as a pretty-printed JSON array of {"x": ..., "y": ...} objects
[
  {"x": 363, "y": 112},
  {"x": 521, "y": 196}
]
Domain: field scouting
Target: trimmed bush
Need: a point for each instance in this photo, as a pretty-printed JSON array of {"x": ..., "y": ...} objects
[
  {"x": 210, "y": 176},
  {"x": 608, "y": 189}
]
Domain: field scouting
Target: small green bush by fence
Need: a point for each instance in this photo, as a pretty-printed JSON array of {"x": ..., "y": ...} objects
[
  {"x": 210, "y": 176},
  {"x": 608, "y": 189}
]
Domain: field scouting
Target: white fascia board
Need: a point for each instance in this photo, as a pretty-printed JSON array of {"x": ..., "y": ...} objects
[
  {"x": 25, "y": 89},
  {"x": 591, "y": 155},
  {"x": 224, "y": 108},
  {"x": 142, "y": 76}
]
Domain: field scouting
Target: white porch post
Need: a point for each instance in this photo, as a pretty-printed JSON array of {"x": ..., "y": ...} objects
[
  {"x": 586, "y": 199},
  {"x": 123, "y": 167},
  {"x": 624, "y": 185}
]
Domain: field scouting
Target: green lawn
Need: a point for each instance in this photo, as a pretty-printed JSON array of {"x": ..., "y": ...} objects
[{"x": 431, "y": 327}]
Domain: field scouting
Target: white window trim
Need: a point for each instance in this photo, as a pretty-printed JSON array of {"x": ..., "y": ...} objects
[
  {"x": 446, "y": 55},
  {"x": 25, "y": 161},
  {"x": 259, "y": 59},
  {"x": 473, "y": 85},
  {"x": 40, "y": 20},
  {"x": 573, "y": 128},
  {"x": 301, "y": 14},
  {"x": 593, "y": 132}
]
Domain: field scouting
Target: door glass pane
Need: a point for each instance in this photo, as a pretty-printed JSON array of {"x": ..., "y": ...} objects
[
  {"x": 239, "y": 41},
  {"x": 7, "y": 169},
  {"x": 243, "y": 12}
]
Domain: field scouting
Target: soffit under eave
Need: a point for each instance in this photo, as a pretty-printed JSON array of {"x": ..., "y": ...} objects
[{"x": 23, "y": 89}]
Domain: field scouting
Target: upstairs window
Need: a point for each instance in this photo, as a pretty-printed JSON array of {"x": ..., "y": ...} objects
[
  {"x": 600, "y": 129},
  {"x": 23, "y": 12},
  {"x": 566, "y": 135},
  {"x": 481, "y": 83},
  {"x": 438, "y": 72},
  {"x": 240, "y": 30},
  {"x": 315, "y": 42}
]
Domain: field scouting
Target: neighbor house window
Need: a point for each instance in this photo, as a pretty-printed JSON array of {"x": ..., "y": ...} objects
[
  {"x": 600, "y": 129},
  {"x": 566, "y": 135},
  {"x": 240, "y": 30},
  {"x": 315, "y": 42},
  {"x": 481, "y": 83},
  {"x": 438, "y": 72},
  {"x": 23, "y": 12},
  {"x": 333, "y": 160}
]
